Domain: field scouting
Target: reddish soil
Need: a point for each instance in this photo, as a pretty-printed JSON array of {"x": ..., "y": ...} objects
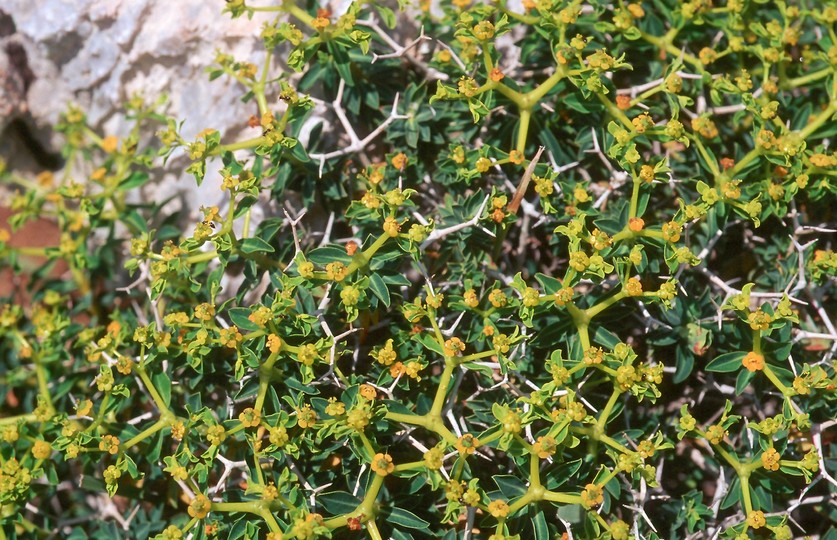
[{"x": 38, "y": 233}]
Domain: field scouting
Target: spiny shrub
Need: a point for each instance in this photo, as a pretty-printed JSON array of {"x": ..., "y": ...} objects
[{"x": 562, "y": 270}]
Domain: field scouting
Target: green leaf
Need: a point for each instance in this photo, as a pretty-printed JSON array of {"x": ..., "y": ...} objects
[
  {"x": 255, "y": 245},
  {"x": 244, "y": 204},
  {"x": 429, "y": 342},
  {"x": 134, "y": 180},
  {"x": 477, "y": 108},
  {"x": 131, "y": 466},
  {"x": 733, "y": 494},
  {"x": 396, "y": 279},
  {"x": 573, "y": 102},
  {"x": 405, "y": 518},
  {"x": 239, "y": 317},
  {"x": 387, "y": 15},
  {"x": 605, "y": 337},
  {"x": 539, "y": 524},
  {"x": 571, "y": 512},
  {"x": 269, "y": 227},
  {"x": 379, "y": 288},
  {"x": 726, "y": 363},
  {"x": 633, "y": 33},
  {"x": 510, "y": 486},
  {"x": 163, "y": 385},
  {"x": 684, "y": 364},
  {"x": 294, "y": 384},
  {"x": 550, "y": 284},
  {"x": 327, "y": 254},
  {"x": 338, "y": 502},
  {"x": 341, "y": 61},
  {"x": 401, "y": 535},
  {"x": 743, "y": 380},
  {"x": 134, "y": 220},
  {"x": 562, "y": 473}
]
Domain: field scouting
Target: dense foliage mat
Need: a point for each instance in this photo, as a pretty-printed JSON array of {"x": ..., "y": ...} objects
[{"x": 557, "y": 268}]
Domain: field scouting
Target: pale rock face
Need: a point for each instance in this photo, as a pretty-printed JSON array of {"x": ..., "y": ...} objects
[{"x": 98, "y": 53}]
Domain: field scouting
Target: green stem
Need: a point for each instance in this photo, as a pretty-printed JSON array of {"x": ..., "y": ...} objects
[
  {"x": 245, "y": 228},
  {"x": 604, "y": 304},
  {"x": 477, "y": 356},
  {"x": 647, "y": 94},
  {"x": 730, "y": 458},
  {"x": 264, "y": 380},
  {"x": 291, "y": 7},
  {"x": 155, "y": 395},
  {"x": 100, "y": 415},
  {"x": 366, "y": 508},
  {"x": 563, "y": 498},
  {"x": 268, "y": 518},
  {"x": 203, "y": 256},
  {"x": 814, "y": 125},
  {"x": 30, "y": 251},
  {"x": 266, "y": 9},
  {"x": 582, "y": 323},
  {"x": 583, "y": 337},
  {"x": 513, "y": 95},
  {"x": 261, "y": 100},
  {"x": 535, "y": 475},
  {"x": 771, "y": 375},
  {"x": 610, "y": 476},
  {"x": 240, "y": 145},
  {"x": 250, "y": 507},
  {"x": 745, "y": 492},
  {"x": 817, "y": 122},
  {"x": 257, "y": 466},
  {"x": 19, "y": 418},
  {"x": 411, "y": 419},
  {"x": 362, "y": 259},
  {"x": 710, "y": 162},
  {"x": 43, "y": 385},
  {"x": 523, "y": 442},
  {"x": 373, "y": 531},
  {"x": 366, "y": 444},
  {"x": 665, "y": 43},
  {"x": 437, "y": 332},
  {"x": 524, "y": 500},
  {"x": 746, "y": 160},
  {"x": 523, "y": 129},
  {"x": 258, "y": 88},
  {"x": 487, "y": 60},
  {"x": 809, "y": 78},
  {"x": 613, "y": 443},
  {"x": 491, "y": 438},
  {"x": 605, "y": 413},
  {"x": 615, "y": 111},
  {"x": 442, "y": 390},
  {"x": 411, "y": 466},
  {"x": 530, "y": 99},
  {"x": 525, "y": 19},
  {"x": 635, "y": 198},
  {"x": 144, "y": 434}
]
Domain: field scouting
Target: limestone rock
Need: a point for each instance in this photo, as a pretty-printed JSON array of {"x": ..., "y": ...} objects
[{"x": 99, "y": 53}]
